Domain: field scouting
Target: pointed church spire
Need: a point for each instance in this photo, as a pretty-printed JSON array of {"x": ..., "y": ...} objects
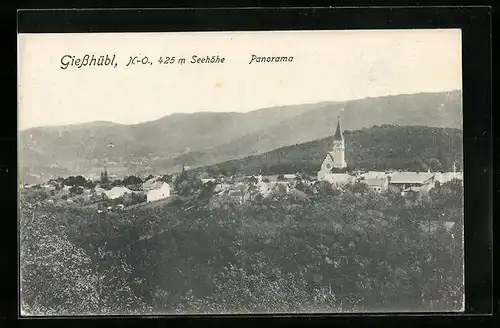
[{"x": 338, "y": 132}]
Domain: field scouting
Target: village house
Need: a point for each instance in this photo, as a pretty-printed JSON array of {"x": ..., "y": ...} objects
[
  {"x": 278, "y": 177},
  {"x": 98, "y": 190},
  {"x": 289, "y": 177},
  {"x": 448, "y": 176},
  {"x": 236, "y": 195},
  {"x": 263, "y": 188},
  {"x": 339, "y": 179},
  {"x": 221, "y": 187},
  {"x": 378, "y": 181},
  {"x": 443, "y": 177},
  {"x": 406, "y": 182},
  {"x": 151, "y": 184},
  {"x": 117, "y": 192},
  {"x": 161, "y": 191},
  {"x": 374, "y": 175},
  {"x": 379, "y": 185}
]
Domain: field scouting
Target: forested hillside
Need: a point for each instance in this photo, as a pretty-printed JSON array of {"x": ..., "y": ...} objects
[
  {"x": 328, "y": 252},
  {"x": 415, "y": 148}
]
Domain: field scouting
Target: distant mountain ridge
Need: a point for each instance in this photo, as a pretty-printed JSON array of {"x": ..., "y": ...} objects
[{"x": 209, "y": 137}]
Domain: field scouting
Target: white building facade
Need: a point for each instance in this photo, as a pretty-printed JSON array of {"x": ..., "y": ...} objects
[{"x": 161, "y": 192}]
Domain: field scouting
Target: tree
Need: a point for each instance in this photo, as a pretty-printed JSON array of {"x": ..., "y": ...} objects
[
  {"x": 75, "y": 190},
  {"x": 279, "y": 192},
  {"x": 252, "y": 186},
  {"x": 78, "y": 181},
  {"x": 55, "y": 274},
  {"x": 89, "y": 184},
  {"x": 132, "y": 180},
  {"x": 60, "y": 276},
  {"x": 359, "y": 188},
  {"x": 434, "y": 164},
  {"x": 207, "y": 191},
  {"x": 117, "y": 183},
  {"x": 242, "y": 188},
  {"x": 104, "y": 176},
  {"x": 168, "y": 178},
  {"x": 132, "y": 198},
  {"x": 186, "y": 184},
  {"x": 35, "y": 195},
  {"x": 325, "y": 188}
]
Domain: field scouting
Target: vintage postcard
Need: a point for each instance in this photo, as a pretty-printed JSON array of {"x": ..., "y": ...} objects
[{"x": 241, "y": 172}]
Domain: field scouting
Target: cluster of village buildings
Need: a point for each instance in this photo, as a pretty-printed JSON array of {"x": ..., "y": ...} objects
[{"x": 333, "y": 170}]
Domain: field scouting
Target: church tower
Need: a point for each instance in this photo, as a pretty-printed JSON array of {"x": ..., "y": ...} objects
[
  {"x": 334, "y": 161},
  {"x": 338, "y": 149}
]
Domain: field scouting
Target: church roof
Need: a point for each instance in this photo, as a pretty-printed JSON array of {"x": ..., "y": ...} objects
[{"x": 338, "y": 132}]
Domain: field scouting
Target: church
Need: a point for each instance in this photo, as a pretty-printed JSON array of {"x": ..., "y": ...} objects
[
  {"x": 335, "y": 171},
  {"x": 334, "y": 166}
]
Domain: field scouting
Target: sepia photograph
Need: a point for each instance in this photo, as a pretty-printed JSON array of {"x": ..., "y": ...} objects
[{"x": 262, "y": 172}]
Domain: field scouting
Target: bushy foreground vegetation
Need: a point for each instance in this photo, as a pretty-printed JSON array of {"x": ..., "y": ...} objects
[{"x": 333, "y": 251}]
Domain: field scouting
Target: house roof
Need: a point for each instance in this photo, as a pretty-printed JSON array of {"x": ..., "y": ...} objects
[
  {"x": 374, "y": 175},
  {"x": 447, "y": 176},
  {"x": 374, "y": 182},
  {"x": 410, "y": 177},
  {"x": 159, "y": 185},
  {"x": 153, "y": 183},
  {"x": 237, "y": 187},
  {"x": 273, "y": 177},
  {"x": 234, "y": 193},
  {"x": 338, "y": 177},
  {"x": 117, "y": 192},
  {"x": 331, "y": 157},
  {"x": 412, "y": 189},
  {"x": 158, "y": 192}
]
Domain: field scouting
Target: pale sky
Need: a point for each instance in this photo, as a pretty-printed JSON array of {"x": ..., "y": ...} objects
[{"x": 327, "y": 66}]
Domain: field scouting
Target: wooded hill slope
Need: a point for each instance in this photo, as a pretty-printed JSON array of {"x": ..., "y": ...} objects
[{"x": 415, "y": 148}]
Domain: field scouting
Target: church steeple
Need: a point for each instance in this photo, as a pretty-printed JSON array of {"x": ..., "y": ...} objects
[
  {"x": 334, "y": 161},
  {"x": 338, "y": 132}
]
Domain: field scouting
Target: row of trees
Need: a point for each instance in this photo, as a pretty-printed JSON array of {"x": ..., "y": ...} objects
[{"x": 78, "y": 183}]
